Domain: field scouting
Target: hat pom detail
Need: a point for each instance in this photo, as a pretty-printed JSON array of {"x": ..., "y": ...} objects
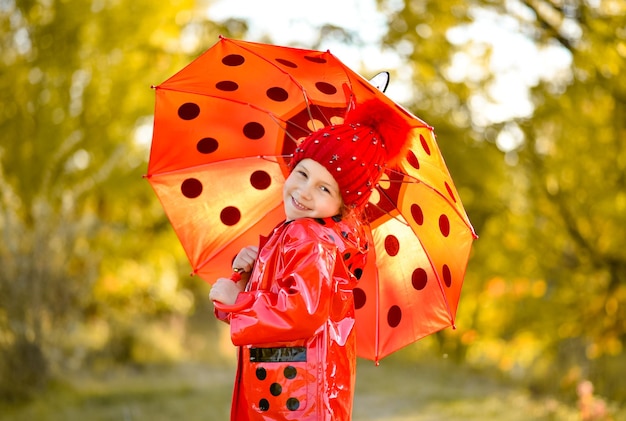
[{"x": 387, "y": 122}]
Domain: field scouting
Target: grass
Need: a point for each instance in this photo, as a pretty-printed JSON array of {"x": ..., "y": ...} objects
[
  {"x": 441, "y": 393},
  {"x": 394, "y": 391}
]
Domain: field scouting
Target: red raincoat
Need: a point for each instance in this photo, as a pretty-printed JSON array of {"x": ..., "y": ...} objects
[{"x": 294, "y": 324}]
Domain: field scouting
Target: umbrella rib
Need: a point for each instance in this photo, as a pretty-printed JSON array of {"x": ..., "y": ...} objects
[
  {"x": 382, "y": 192},
  {"x": 427, "y": 254},
  {"x": 202, "y": 264},
  {"x": 291, "y": 137},
  {"x": 377, "y": 331},
  {"x": 290, "y": 76},
  {"x": 306, "y": 98},
  {"x": 444, "y": 197},
  {"x": 440, "y": 284},
  {"x": 240, "y": 45},
  {"x": 203, "y": 94},
  {"x": 269, "y": 158},
  {"x": 272, "y": 115},
  {"x": 428, "y": 257},
  {"x": 309, "y": 112}
]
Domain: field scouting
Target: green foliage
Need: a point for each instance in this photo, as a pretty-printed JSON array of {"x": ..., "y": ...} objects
[
  {"x": 576, "y": 163},
  {"x": 543, "y": 299},
  {"x": 394, "y": 391},
  {"x": 76, "y": 219}
]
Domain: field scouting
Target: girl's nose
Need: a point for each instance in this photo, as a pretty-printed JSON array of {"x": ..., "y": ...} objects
[{"x": 305, "y": 191}]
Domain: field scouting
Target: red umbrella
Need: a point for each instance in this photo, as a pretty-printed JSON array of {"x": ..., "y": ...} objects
[{"x": 225, "y": 128}]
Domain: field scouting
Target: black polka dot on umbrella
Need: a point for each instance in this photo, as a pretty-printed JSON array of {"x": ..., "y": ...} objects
[
  {"x": 360, "y": 298},
  {"x": 207, "y": 145},
  {"x": 188, "y": 111},
  {"x": 326, "y": 88},
  {"x": 417, "y": 214},
  {"x": 277, "y": 94},
  {"x": 253, "y": 130},
  {"x": 449, "y": 190},
  {"x": 227, "y": 86},
  {"x": 230, "y": 216},
  {"x": 392, "y": 245},
  {"x": 447, "y": 275},
  {"x": 191, "y": 188},
  {"x": 394, "y": 316},
  {"x": 424, "y": 144},
  {"x": 412, "y": 160},
  {"x": 233, "y": 60},
  {"x": 444, "y": 225},
  {"x": 419, "y": 279},
  {"x": 287, "y": 63},
  {"x": 260, "y": 180},
  {"x": 319, "y": 60}
]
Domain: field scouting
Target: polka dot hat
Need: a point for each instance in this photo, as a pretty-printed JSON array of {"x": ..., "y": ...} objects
[{"x": 372, "y": 137}]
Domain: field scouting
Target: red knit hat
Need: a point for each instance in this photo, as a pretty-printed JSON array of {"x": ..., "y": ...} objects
[{"x": 372, "y": 137}]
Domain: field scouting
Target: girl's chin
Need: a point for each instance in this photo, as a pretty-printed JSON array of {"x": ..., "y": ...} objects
[
  {"x": 294, "y": 214},
  {"x": 291, "y": 212}
]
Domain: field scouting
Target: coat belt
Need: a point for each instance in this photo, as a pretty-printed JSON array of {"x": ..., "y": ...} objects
[{"x": 278, "y": 355}]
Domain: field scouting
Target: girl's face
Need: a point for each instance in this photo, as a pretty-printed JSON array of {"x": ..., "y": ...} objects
[{"x": 311, "y": 191}]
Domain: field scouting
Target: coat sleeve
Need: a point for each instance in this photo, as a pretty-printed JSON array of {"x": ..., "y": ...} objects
[{"x": 298, "y": 303}]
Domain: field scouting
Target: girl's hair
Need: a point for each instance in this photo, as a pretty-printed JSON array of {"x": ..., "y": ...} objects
[{"x": 353, "y": 216}]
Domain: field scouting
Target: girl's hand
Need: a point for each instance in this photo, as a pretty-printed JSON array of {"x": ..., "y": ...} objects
[
  {"x": 246, "y": 258},
  {"x": 225, "y": 291}
]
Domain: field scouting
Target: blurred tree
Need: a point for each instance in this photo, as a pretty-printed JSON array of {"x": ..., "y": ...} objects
[
  {"x": 575, "y": 160},
  {"x": 74, "y": 85},
  {"x": 418, "y": 31},
  {"x": 546, "y": 285}
]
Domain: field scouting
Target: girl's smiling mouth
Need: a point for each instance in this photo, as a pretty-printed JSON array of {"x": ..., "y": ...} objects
[{"x": 298, "y": 205}]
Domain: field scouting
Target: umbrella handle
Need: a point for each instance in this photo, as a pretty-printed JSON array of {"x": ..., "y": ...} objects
[{"x": 236, "y": 275}]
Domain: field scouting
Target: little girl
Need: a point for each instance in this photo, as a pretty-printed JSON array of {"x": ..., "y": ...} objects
[{"x": 292, "y": 312}]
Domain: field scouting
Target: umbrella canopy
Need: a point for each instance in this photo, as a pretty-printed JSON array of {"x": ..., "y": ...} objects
[{"x": 225, "y": 128}]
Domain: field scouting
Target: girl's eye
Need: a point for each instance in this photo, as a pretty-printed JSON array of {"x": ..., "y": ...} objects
[
  {"x": 302, "y": 173},
  {"x": 326, "y": 190}
]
